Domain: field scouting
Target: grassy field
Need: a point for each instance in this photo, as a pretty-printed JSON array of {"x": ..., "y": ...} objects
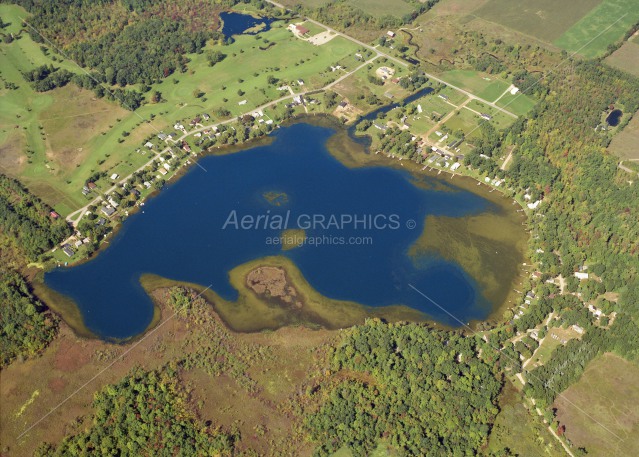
[
  {"x": 608, "y": 393},
  {"x": 625, "y": 144},
  {"x": 604, "y": 25},
  {"x": 69, "y": 134},
  {"x": 518, "y": 104},
  {"x": 488, "y": 87},
  {"x": 499, "y": 120},
  {"x": 380, "y": 8},
  {"x": 516, "y": 429},
  {"x": 357, "y": 85},
  {"x": 626, "y": 58},
  {"x": 543, "y": 19}
]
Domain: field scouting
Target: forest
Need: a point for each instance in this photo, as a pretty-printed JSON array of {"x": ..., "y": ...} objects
[
  {"x": 29, "y": 221},
  {"x": 145, "y": 414},
  {"x": 25, "y": 326},
  {"x": 342, "y": 15},
  {"x": 128, "y": 41},
  {"x": 423, "y": 391}
]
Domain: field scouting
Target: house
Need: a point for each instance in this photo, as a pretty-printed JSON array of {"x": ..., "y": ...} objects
[
  {"x": 578, "y": 329},
  {"x": 115, "y": 176},
  {"x": 206, "y": 117},
  {"x": 54, "y": 215},
  {"x": 67, "y": 250},
  {"x": 580, "y": 275},
  {"x": 149, "y": 145},
  {"x": 91, "y": 185},
  {"x": 78, "y": 243},
  {"x": 243, "y": 102},
  {"x": 178, "y": 126},
  {"x": 455, "y": 166},
  {"x": 343, "y": 104},
  {"x": 301, "y": 30},
  {"x": 101, "y": 222},
  {"x": 390, "y": 34},
  {"x": 107, "y": 210},
  {"x": 486, "y": 116},
  {"x": 162, "y": 136},
  {"x": 443, "y": 97},
  {"x": 162, "y": 171},
  {"x": 514, "y": 90},
  {"x": 186, "y": 147},
  {"x": 135, "y": 192},
  {"x": 86, "y": 241},
  {"x": 166, "y": 166},
  {"x": 533, "y": 205},
  {"x": 300, "y": 82}
]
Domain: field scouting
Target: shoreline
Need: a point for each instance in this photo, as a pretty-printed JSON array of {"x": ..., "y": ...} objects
[{"x": 69, "y": 311}]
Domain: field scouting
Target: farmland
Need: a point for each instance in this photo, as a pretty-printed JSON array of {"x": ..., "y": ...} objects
[
  {"x": 603, "y": 26},
  {"x": 379, "y": 8},
  {"x": 626, "y": 58},
  {"x": 543, "y": 19}
]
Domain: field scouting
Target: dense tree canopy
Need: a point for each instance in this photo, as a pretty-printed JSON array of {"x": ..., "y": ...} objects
[
  {"x": 28, "y": 220},
  {"x": 424, "y": 391},
  {"x": 145, "y": 414},
  {"x": 25, "y": 328}
]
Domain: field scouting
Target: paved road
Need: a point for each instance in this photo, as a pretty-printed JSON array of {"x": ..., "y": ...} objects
[
  {"x": 401, "y": 62},
  {"x": 75, "y": 216}
]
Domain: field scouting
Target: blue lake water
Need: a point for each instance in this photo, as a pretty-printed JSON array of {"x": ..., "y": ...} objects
[
  {"x": 614, "y": 117},
  {"x": 238, "y": 24},
  {"x": 180, "y": 235}
]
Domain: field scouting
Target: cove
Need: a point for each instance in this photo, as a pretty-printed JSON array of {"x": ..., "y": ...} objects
[{"x": 181, "y": 235}]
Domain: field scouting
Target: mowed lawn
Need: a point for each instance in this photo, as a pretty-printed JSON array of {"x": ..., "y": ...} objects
[
  {"x": 603, "y": 26},
  {"x": 518, "y": 104},
  {"x": 543, "y": 19},
  {"x": 488, "y": 87},
  {"x": 601, "y": 411},
  {"x": 499, "y": 119},
  {"x": 626, "y": 58}
]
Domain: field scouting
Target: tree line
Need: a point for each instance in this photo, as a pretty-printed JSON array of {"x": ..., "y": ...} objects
[{"x": 28, "y": 220}]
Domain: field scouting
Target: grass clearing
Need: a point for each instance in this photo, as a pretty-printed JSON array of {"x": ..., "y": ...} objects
[
  {"x": 603, "y": 26},
  {"x": 518, "y": 430},
  {"x": 625, "y": 144},
  {"x": 626, "y": 58},
  {"x": 518, "y": 104},
  {"x": 499, "y": 119},
  {"x": 607, "y": 391},
  {"x": 356, "y": 88},
  {"x": 488, "y": 87},
  {"x": 543, "y": 19}
]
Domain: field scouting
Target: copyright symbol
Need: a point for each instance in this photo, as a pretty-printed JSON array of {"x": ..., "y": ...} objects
[{"x": 411, "y": 224}]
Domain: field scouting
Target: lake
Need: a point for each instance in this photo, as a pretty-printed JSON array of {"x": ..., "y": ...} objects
[{"x": 209, "y": 222}]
